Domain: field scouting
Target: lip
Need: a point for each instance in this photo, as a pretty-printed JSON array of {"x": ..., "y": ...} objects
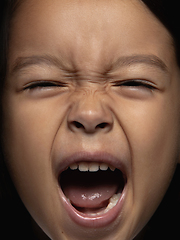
[
  {"x": 100, "y": 157},
  {"x": 98, "y": 221},
  {"x": 101, "y": 219}
]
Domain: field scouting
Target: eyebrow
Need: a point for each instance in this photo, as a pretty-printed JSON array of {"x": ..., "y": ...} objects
[
  {"x": 151, "y": 60},
  {"x": 24, "y": 62}
]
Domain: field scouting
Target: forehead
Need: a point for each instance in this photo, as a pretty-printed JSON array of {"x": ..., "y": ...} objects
[{"x": 87, "y": 31}]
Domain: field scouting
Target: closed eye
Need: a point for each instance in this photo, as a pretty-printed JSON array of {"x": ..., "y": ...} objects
[
  {"x": 43, "y": 84},
  {"x": 136, "y": 84}
]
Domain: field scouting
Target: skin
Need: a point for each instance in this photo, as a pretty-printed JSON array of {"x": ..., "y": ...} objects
[{"x": 142, "y": 122}]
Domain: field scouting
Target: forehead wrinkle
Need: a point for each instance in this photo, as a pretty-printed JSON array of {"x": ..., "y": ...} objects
[
  {"x": 91, "y": 77},
  {"x": 70, "y": 71},
  {"x": 93, "y": 73}
]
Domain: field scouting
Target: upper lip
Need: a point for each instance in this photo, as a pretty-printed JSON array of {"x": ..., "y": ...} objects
[{"x": 100, "y": 157}]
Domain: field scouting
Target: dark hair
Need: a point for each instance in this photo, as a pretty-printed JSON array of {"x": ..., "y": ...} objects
[
  {"x": 15, "y": 219},
  {"x": 167, "y": 11}
]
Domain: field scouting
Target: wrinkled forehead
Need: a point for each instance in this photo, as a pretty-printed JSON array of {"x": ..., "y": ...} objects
[{"x": 87, "y": 31}]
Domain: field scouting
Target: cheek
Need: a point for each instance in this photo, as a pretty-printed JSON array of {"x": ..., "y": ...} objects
[
  {"x": 29, "y": 131},
  {"x": 30, "y": 126},
  {"x": 155, "y": 161},
  {"x": 27, "y": 139},
  {"x": 152, "y": 132}
]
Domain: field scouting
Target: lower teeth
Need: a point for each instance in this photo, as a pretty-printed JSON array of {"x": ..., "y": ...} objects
[{"x": 112, "y": 203}]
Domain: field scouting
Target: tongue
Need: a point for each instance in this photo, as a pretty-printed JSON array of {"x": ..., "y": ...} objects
[{"x": 89, "y": 190}]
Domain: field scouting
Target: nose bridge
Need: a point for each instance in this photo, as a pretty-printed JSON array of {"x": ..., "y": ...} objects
[{"x": 90, "y": 113}]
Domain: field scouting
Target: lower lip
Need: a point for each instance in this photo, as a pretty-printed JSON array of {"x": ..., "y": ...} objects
[{"x": 87, "y": 220}]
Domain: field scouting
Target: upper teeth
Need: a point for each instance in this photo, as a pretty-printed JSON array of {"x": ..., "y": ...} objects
[{"x": 91, "y": 166}]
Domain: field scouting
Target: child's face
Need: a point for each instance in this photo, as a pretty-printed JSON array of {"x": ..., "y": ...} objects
[{"x": 94, "y": 82}]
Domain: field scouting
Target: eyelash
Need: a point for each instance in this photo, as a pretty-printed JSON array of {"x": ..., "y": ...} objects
[
  {"x": 135, "y": 83},
  {"x": 43, "y": 84},
  {"x": 125, "y": 83}
]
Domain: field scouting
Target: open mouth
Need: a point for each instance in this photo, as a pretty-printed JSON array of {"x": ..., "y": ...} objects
[{"x": 92, "y": 189}]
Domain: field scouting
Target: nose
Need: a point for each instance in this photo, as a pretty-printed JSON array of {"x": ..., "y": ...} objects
[{"x": 90, "y": 116}]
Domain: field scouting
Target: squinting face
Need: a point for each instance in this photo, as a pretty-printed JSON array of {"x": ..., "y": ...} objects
[{"x": 94, "y": 86}]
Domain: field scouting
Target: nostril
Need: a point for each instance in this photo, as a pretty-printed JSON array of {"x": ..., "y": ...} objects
[
  {"x": 88, "y": 128},
  {"x": 77, "y": 124},
  {"x": 102, "y": 125}
]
